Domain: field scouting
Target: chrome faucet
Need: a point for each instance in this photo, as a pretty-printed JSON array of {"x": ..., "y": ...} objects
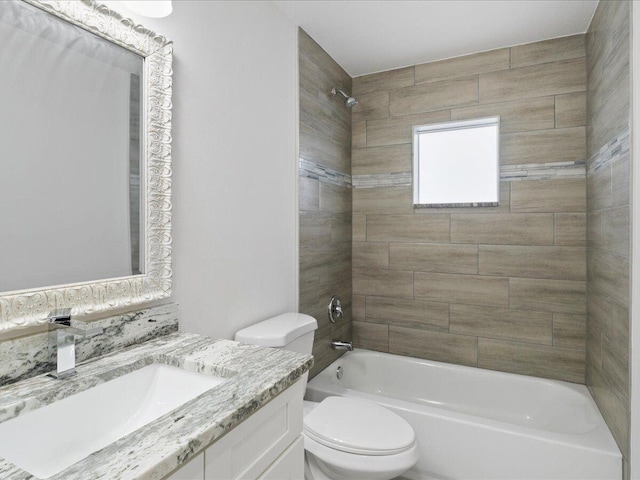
[
  {"x": 340, "y": 345},
  {"x": 62, "y": 342}
]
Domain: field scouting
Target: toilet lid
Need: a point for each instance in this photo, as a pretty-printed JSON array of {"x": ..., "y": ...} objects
[{"x": 358, "y": 426}]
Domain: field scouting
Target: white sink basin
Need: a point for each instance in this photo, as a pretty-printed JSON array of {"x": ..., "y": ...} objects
[{"x": 52, "y": 438}]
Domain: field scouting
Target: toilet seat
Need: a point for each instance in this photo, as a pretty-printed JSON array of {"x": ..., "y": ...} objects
[
  {"x": 360, "y": 427},
  {"x": 347, "y": 465},
  {"x": 353, "y": 439}
]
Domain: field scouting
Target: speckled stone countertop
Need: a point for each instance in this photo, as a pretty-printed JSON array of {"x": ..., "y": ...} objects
[{"x": 255, "y": 376}]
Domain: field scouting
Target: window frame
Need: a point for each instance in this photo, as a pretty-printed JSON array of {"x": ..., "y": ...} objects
[{"x": 445, "y": 127}]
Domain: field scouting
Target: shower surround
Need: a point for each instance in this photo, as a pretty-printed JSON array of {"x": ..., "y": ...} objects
[
  {"x": 325, "y": 196},
  {"x": 608, "y": 223},
  {"x": 538, "y": 285},
  {"x": 504, "y": 287}
]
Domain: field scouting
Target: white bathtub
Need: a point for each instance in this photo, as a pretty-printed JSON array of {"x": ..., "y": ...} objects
[{"x": 480, "y": 424}]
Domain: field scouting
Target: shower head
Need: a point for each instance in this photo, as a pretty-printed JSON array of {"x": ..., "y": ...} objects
[{"x": 348, "y": 101}]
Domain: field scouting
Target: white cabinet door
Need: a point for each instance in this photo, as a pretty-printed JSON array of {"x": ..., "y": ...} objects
[
  {"x": 194, "y": 470},
  {"x": 251, "y": 447},
  {"x": 289, "y": 465}
]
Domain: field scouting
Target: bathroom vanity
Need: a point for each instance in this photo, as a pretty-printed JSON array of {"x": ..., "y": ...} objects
[
  {"x": 246, "y": 426},
  {"x": 97, "y": 423},
  {"x": 266, "y": 446},
  {"x": 124, "y": 415}
]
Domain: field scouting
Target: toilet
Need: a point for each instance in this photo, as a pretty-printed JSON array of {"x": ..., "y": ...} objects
[{"x": 344, "y": 438}]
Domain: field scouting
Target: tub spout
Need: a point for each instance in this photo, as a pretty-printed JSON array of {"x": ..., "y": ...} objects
[{"x": 340, "y": 345}]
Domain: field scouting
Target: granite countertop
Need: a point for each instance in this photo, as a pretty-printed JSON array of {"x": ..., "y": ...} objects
[{"x": 255, "y": 376}]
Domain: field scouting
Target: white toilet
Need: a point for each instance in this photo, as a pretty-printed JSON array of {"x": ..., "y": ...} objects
[{"x": 344, "y": 438}]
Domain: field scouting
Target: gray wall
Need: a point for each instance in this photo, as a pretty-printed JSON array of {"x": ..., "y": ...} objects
[
  {"x": 500, "y": 288},
  {"x": 325, "y": 196},
  {"x": 608, "y": 225},
  {"x": 235, "y": 178}
]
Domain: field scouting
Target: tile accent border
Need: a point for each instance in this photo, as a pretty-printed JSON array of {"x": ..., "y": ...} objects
[
  {"x": 610, "y": 152},
  {"x": 508, "y": 173},
  {"x": 313, "y": 170},
  {"x": 542, "y": 171},
  {"x": 403, "y": 179}
]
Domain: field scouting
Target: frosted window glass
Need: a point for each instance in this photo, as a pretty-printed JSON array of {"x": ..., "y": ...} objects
[{"x": 457, "y": 163}]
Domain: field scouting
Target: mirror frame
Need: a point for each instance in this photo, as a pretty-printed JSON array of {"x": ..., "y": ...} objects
[{"x": 32, "y": 306}]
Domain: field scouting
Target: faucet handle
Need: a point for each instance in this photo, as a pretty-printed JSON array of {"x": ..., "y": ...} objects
[
  {"x": 61, "y": 316},
  {"x": 335, "y": 309}
]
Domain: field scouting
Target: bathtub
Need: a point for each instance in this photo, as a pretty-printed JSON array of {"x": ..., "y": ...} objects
[{"x": 480, "y": 424}]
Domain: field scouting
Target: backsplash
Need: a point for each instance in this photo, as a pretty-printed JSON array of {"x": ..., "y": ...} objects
[
  {"x": 325, "y": 196},
  {"x": 608, "y": 222},
  {"x": 27, "y": 356},
  {"x": 504, "y": 287}
]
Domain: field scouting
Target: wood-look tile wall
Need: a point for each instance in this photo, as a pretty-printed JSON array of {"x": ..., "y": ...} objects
[
  {"x": 608, "y": 272},
  {"x": 325, "y": 209},
  {"x": 502, "y": 287}
]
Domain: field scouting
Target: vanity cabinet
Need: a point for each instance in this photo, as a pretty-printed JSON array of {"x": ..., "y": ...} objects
[
  {"x": 289, "y": 465},
  {"x": 266, "y": 446},
  {"x": 194, "y": 470}
]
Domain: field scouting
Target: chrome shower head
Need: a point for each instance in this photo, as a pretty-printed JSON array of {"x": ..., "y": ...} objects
[{"x": 348, "y": 101}]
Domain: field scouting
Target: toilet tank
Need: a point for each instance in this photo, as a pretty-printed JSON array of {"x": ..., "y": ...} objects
[{"x": 289, "y": 331}]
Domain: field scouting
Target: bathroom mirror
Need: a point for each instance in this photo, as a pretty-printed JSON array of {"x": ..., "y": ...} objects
[
  {"x": 457, "y": 164},
  {"x": 85, "y": 186}
]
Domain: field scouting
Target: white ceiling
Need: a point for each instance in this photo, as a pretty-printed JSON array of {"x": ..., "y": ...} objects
[{"x": 366, "y": 36}]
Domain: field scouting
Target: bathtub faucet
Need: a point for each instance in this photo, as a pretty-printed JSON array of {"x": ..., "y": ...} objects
[{"x": 340, "y": 345}]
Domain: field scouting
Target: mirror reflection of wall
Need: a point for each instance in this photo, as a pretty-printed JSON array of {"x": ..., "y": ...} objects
[{"x": 70, "y": 130}]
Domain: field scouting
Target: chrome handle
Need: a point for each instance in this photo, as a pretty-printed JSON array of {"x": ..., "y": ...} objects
[
  {"x": 60, "y": 317},
  {"x": 78, "y": 332},
  {"x": 335, "y": 309}
]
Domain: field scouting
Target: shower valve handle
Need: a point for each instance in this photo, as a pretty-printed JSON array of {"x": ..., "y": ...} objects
[{"x": 335, "y": 309}]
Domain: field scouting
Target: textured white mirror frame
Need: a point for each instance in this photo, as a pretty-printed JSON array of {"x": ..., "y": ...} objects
[
  {"x": 27, "y": 307},
  {"x": 457, "y": 164}
]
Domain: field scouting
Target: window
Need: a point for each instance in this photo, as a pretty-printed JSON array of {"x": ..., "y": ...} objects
[{"x": 457, "y": 164}]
